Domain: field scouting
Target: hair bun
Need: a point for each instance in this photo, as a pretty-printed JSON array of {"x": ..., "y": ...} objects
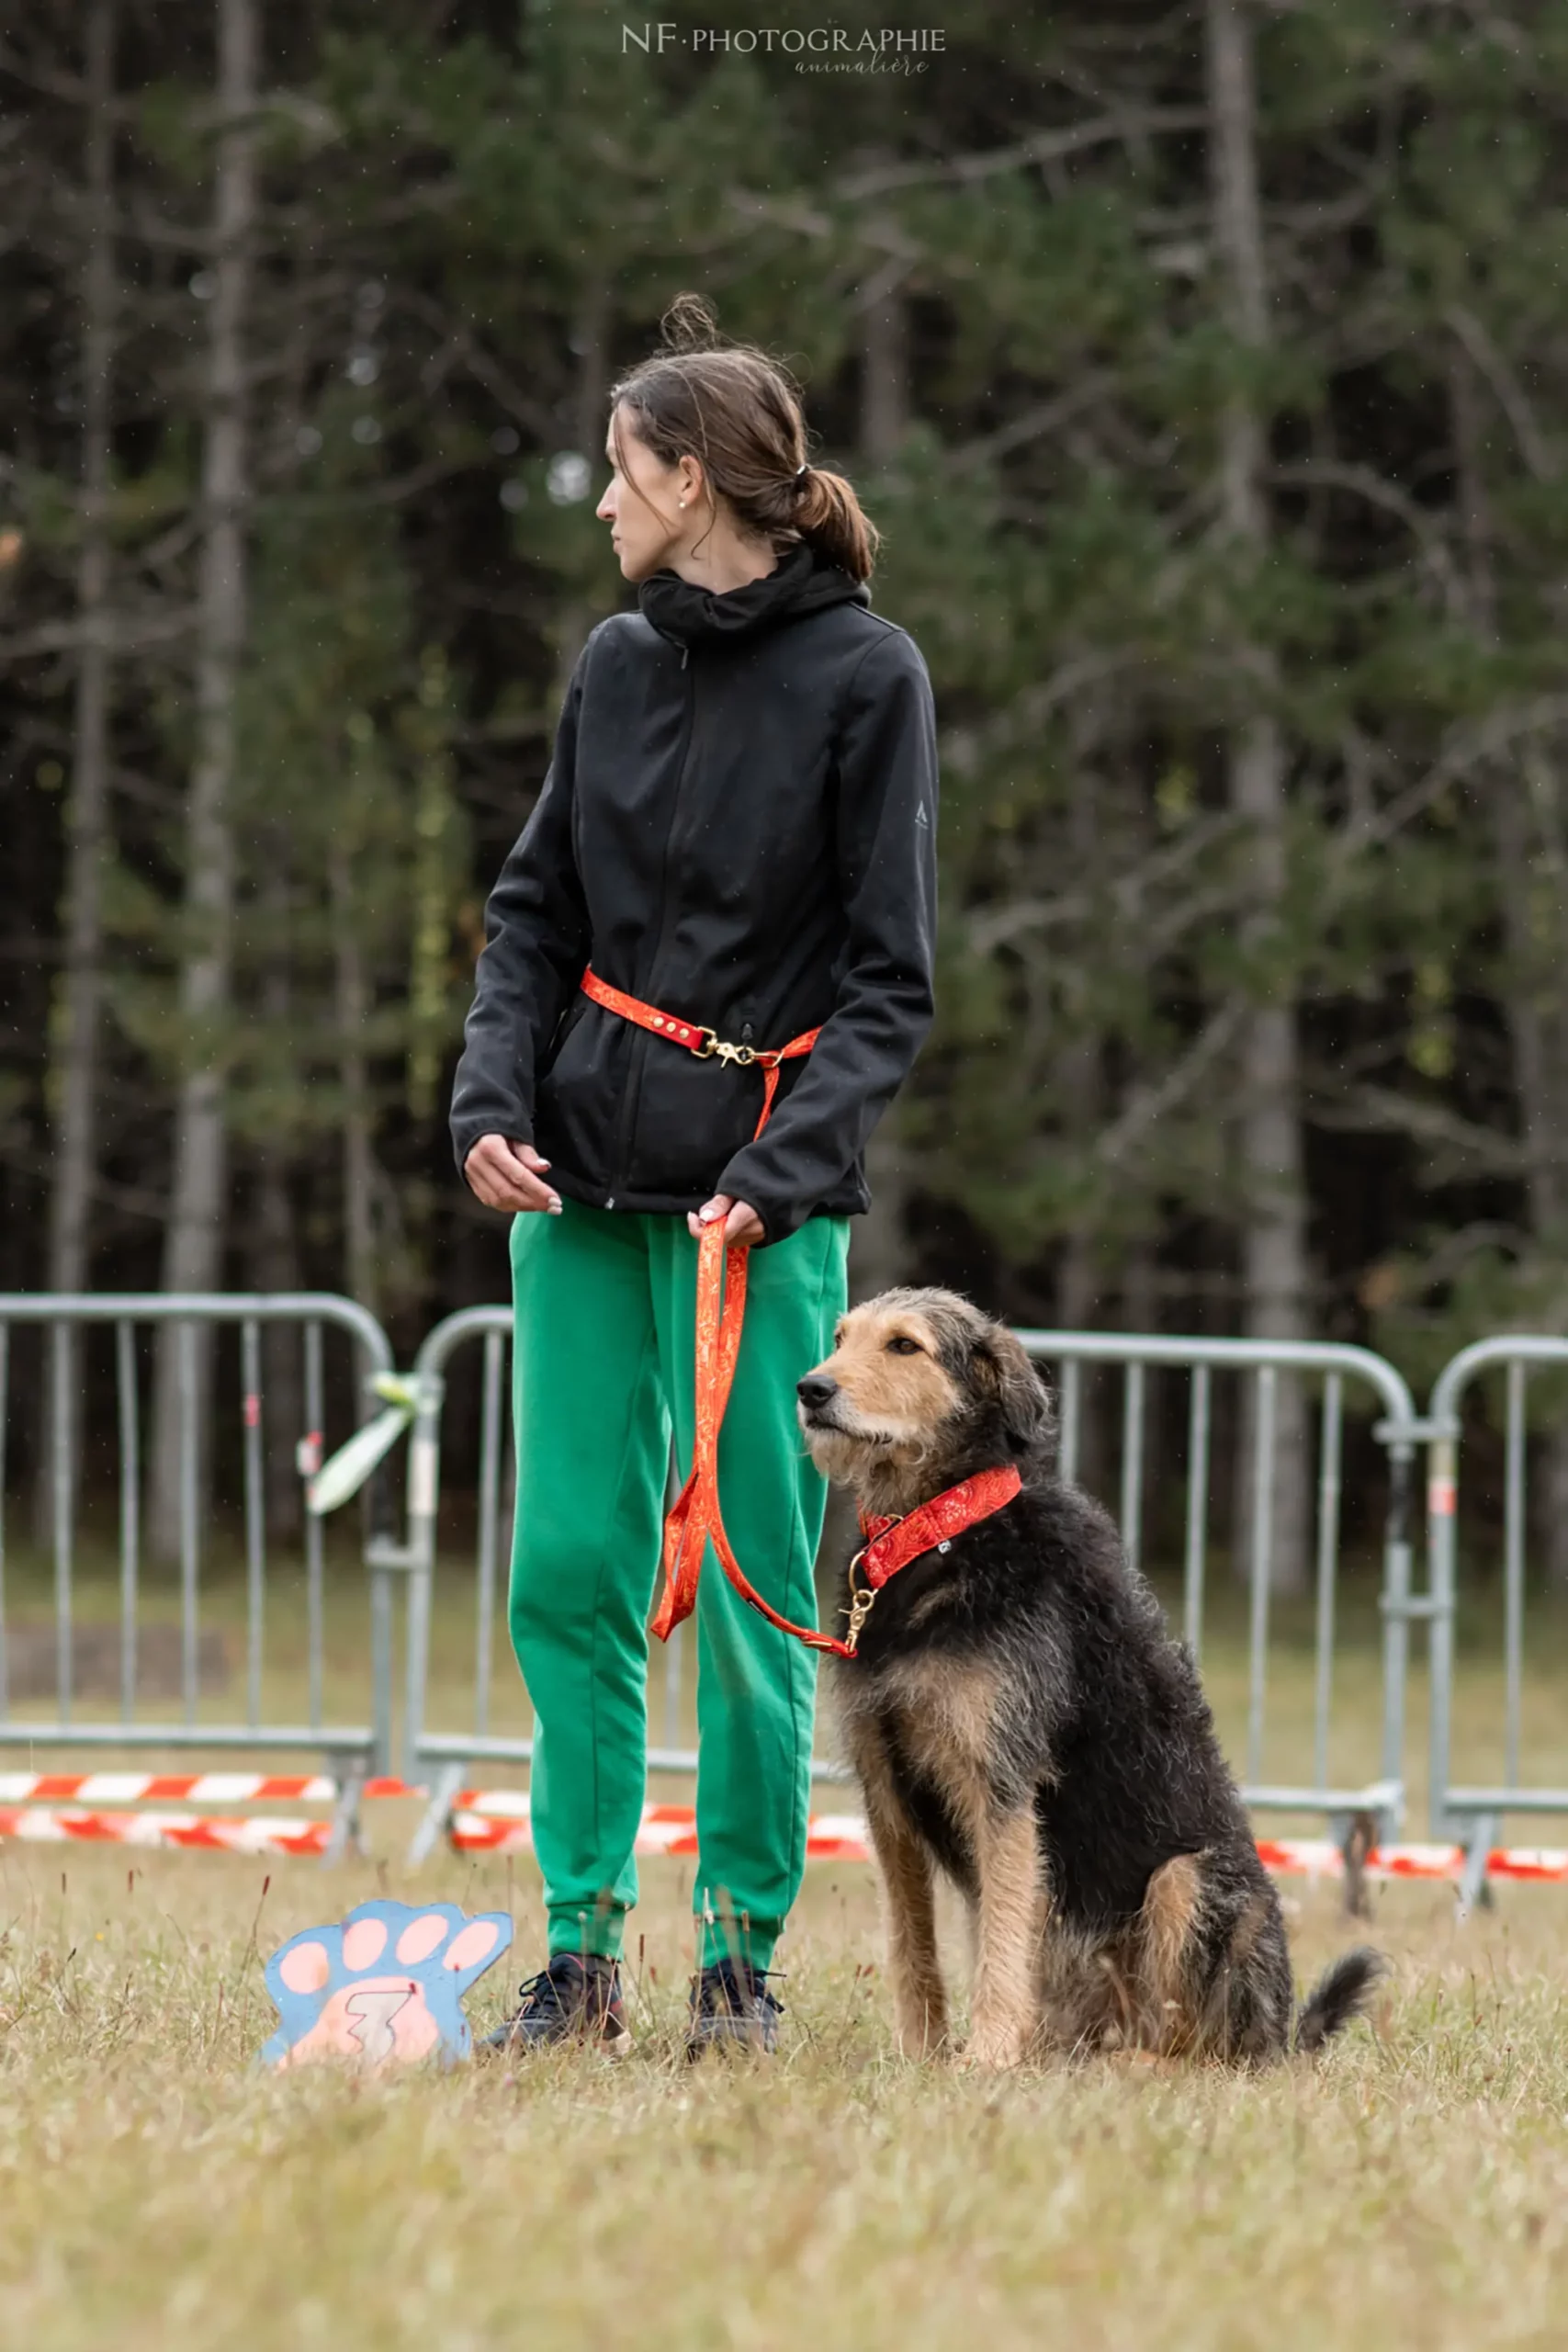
[{"x": 690, "y": 325}]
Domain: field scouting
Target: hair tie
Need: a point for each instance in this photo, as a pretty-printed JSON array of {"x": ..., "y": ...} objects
[{"x": 800, "y": 473}]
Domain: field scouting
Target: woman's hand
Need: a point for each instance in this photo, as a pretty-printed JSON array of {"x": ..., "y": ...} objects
[
  {"x": 742, "y": 1226},
  {"x": 508, "y": 1175}
]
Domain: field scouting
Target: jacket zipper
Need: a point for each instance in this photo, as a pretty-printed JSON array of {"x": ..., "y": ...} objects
[{"x": 631, "y": 1102}]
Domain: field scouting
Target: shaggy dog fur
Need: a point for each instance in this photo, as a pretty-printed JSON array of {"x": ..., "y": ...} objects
[{"x": 1018, "y": 1718}]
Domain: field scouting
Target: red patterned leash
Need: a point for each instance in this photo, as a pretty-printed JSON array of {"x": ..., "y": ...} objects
[
  {"x": 702, "y": 1042},
  {"x": 696, "y": 1519}
]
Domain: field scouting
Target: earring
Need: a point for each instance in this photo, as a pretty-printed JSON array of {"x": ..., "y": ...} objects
[{"x": 680, "y": 501}]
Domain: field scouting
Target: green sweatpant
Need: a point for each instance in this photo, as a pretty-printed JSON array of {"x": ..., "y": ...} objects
[{"x": 605, "y": 1305}]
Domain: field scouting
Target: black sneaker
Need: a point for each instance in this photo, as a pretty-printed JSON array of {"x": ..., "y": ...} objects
[
  {"x": 731, "y": 2004},
  {"x": 571, "y": 2000}
]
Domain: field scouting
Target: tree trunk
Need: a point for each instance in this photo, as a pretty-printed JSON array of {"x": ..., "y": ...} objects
[
  {"x": 1140, "y": 1313},
  {"x": 272, "y": 1241},
  {"x": 879, "y": 1254},
  {"x": 1273, "y": 1240},
  {"x": 274, "y": 1253},
  {"x": 193, "y": 1245},
  {"x": 585, "y": 431},
  {"x": 359, "y": 1168},
  {"x": 1078, "y": 1079},
  {"x": 87, "y": 818},
  {"x": 884, "y": 377},
  {"x": 1529, "y": 850},
  {"x": 76, "y": 1079}
]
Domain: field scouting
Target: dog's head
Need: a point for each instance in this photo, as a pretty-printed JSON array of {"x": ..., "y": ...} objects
[{"x": 921, "y": 1390}]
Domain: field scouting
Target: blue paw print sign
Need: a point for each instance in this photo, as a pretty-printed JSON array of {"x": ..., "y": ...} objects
[{"x": 383, "y": 1987}]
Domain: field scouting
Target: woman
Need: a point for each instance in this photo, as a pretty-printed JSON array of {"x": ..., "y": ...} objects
[{"x": 736, "y": 833}]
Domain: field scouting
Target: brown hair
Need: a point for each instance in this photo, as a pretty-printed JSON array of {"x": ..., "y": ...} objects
[{"x": 739, "y": 412}]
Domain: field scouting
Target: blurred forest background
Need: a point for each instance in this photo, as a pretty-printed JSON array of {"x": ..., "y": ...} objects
[{"x": 1206, "y": 367}]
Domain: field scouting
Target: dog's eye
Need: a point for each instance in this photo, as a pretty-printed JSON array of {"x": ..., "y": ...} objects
[{"x": 901, "y": 1346}]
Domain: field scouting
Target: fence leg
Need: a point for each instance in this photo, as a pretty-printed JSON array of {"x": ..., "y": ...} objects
[
  {"x": 1473, "y": 1885},
  {"x": 437, "y": 1813},
  {"x": 345, "y": 1829},
  {"x": 1356, "y": 1835}
]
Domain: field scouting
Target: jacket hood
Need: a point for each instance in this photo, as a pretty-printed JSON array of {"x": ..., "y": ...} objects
[{"x": 802, "y": 581}]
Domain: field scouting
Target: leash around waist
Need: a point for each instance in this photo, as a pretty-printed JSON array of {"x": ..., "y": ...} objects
[
  {"x": 706, "y": 1047},
  {"x": 696, "y": 1519}
]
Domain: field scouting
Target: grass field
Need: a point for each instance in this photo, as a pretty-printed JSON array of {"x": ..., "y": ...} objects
[{"x": 1412, "y": 2189}]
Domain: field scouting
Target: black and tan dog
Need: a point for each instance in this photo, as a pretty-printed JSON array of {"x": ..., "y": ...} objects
[{"x": 1018, "y": 1717}]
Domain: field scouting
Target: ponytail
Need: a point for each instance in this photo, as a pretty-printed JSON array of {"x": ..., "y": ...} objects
[{"x": 830, "y": 516}]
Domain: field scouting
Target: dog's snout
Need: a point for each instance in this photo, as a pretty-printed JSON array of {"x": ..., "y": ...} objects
[{"x": 816, "y": 1390}]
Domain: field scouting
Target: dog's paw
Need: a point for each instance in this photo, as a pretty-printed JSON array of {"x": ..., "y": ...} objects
[
  {"x": 992, "y": 2054},
  {"x": 999, "y": 2039},
  {"x": 385, "y": 1985},
  {"x": 921, "y": 2033},
  {"x": 1134, "y": 2060}
]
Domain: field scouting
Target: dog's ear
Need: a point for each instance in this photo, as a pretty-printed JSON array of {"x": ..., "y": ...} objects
[{"x": 1003, "y": 1371}]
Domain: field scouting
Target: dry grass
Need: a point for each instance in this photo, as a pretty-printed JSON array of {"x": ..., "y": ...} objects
[{"x": 1412, "y": 2189}]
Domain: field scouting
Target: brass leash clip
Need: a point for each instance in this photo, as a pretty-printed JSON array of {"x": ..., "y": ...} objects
[
  {"x": 740, "y": 1054},
  {"x": 861, "y": 1605}
]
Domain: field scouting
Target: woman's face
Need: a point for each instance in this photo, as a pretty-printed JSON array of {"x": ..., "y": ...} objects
[{"x": 648, "y": 526}]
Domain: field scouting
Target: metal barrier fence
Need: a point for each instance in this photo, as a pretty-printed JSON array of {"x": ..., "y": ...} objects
[
  {"x": 356, "y": 1748},
  {"x": 1381, "y": 1795},
  {"x": 1472, "y": 1813},
  {"x": 447, "y": 1752}
]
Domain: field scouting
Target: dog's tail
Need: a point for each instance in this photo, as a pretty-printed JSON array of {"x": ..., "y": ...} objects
[{"x": 1344, "y": 1991}]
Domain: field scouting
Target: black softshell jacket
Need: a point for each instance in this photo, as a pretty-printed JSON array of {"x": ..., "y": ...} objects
[{"x": 739, "y": 826}]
